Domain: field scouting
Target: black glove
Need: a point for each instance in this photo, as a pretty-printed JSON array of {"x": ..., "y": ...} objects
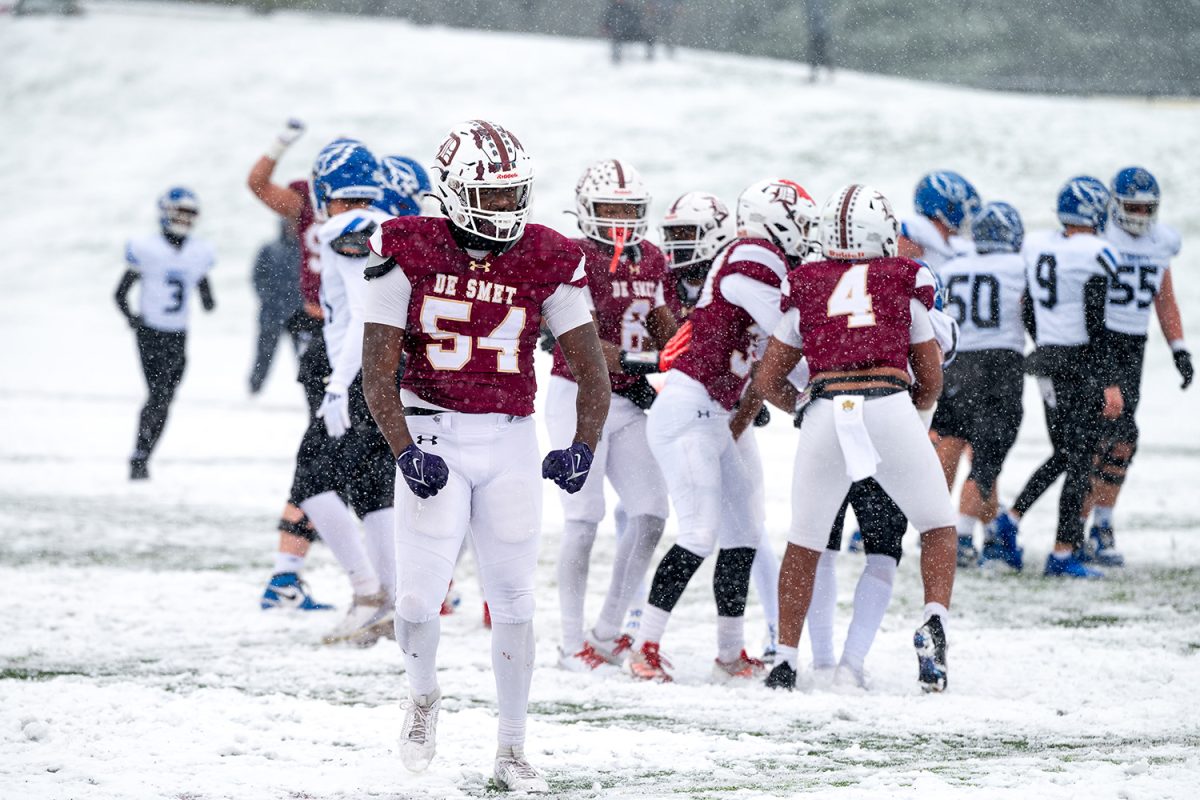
[
  {"x": 764, "y": 417},
  {"x": 548, "y": 341},
  {"x": 1183, "y": 363}
]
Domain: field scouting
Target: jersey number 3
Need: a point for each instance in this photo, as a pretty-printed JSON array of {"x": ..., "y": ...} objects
[
  {"x": 850, "y": 299},
  {"x": 452, "y": 351}
]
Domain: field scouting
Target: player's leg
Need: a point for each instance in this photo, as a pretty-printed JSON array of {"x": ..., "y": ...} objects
[
  {"x": 765, "y": 573},
  {"x": 823, "y": 607},
  {"x": 1117, "y": 446},
  {"x": 163, "y": 357},
  {"x": 287, "y": 589},
  {"x": 994, "y": 434},
  {"x": 264, "y": 347},
  {"x": 1079, "y": 404}
]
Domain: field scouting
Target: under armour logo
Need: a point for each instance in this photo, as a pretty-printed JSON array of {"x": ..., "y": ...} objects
[
  {"x": 485, "y": 266},
  {"x": 703, "y": 414},
  {"x": 421, "y": 439}
]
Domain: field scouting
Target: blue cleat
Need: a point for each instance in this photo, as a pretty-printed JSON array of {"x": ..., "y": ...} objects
[
  {"x": 930, "y": 644},
  {"x": 1000, "y": 543},
  {"x": 968, "y": 556},
  {"x": 856, "y": 542},
  {"x": 1070, "y": 567},
  {"x": 287, "y": 590},
  {"x": 1101, "y": 548}
]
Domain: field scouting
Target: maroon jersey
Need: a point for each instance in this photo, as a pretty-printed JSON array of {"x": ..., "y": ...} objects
[
  {"x": 310, "y": 281},
  {"x": 856, "y": 314},
  {"x": 624, "y": 294},
  {"x": 725, "y": 338},
  {"x": 473, "y": 325}
]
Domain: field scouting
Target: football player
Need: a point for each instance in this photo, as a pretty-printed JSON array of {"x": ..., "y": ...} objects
[
  {"x": 464, "y": 298},
  {"x": 944, "y": 201},
  {"x": 169, "y": 265},
  {"x": 981, "y": 403},
  {"x": 1068, "y": 274},
  {"x": 861, "y": 317},
  {"x": 625, "y": 276},
  {"x": 715, "y": 481}
]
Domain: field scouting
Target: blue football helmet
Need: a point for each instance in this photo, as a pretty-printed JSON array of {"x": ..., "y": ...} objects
[
  {"x": 404, "y": 182},
  {"x": 948, "y": 197},
  {"x": 344, "y": 170},
  {"x": 997, "y": 228},
  {"x": 1083, "y": 201},
  {"x": 1135, "y": 197},
  {"x": 178, "y": 208}
]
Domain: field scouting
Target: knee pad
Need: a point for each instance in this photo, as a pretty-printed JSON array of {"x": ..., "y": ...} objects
[
  {"x": 674, "y": 571},
  {"x": 301, "y": 528},
  {"x": 512, "y": 607},
  {"x": 412, "y": 607},
  {"x": 1113, "y": 460},
  {"x": 731, "y": 580}
]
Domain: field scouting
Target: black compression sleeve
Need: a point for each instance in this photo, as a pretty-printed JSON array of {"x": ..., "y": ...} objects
[
  {"x": 122, "y": 296},
  {"x": 1095, "y": 297},
  {"x": 206, "y": 296}
]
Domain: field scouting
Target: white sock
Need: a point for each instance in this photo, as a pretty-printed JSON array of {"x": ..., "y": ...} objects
[
  {"x": 937, "y": 609},
  {"x": 822, "y": 609},
  {"x": 573, "y": 556},
  {"x": 512, "y": 661},
  {"x": 966, "y": 525},
  {"x": 635, "y": 548},
  {"x": 765, "y": 574},
  {"x": 1103, "y": 516},
  {"x": 338, "y": 529},
  {"x": 871, "y": 598},
  {"x": 654, "y": 623},
  {"x": 381, "y": 547},
  {"x": 789, "y": 654},
  {"x": 288, "y": 562},
  {"x": 419, "y": 643},
  {"x": 731, "y": 637}
]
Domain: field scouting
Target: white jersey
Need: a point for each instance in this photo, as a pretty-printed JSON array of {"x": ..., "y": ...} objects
[
  {"x": 168, "y": 275},
  {"x": 1057, "y": 267},
  {"x": 937, "y": 251},
  {"x": 1142, "y": 264},
  {"x": 983, "y": 295},
  {"x": 343, "y": 293}
]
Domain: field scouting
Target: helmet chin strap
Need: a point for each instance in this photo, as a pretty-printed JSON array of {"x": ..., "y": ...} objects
[{"x": 619, "y": 235}]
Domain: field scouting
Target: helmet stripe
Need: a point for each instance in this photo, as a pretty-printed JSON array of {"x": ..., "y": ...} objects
[
  {"x": 620, "y": 173},
  {"x": 506, "y": 162},
  {"x": 844, "y": 215}
]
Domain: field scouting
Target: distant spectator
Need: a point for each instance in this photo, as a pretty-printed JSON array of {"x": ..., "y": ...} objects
[
  {"x": 817, "y": 14},
  {"x": 277, "y": 281},
  {"x": 623, "y": 23},
  {"x": 660, "y": 20}
]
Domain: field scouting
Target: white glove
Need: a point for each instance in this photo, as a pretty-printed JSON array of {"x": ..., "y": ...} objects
[
  {"x": 335, "y": 410},
  {"x": 292, "y": 131}
]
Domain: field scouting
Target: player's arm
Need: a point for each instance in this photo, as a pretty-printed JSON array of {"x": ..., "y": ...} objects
[
  {"x": 383, "y": 347},
  {"x": 1169, "y": 319},
  {"x": 204, "y": 288},
  {"x": 584, "y": 355},
  {"x": 122, "y": 297},
  {"x": 925, "y": 358},
  {"x": 280, "y": 199},
  {"x": 907, "y": 248},
  {"x": 770, "y": 384},
  {"x": 661, "y": 323},
  {"x": 1095, "y": 301}
]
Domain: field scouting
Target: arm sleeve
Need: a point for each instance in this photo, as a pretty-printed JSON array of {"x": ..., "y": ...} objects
[
  {"x": 1095, "y": 298},
  {"x": 788, "y": 329},
  {"x": 386, "y": 299},
  {"x": 566, "y": 309},
  {"x": 758, "y": 299},
  {"x": 122, "y": 295},
  {"x": 920, "y": 329},
  {"x": 1027, "y": 317},
  {"x": 349, "y": 360}
]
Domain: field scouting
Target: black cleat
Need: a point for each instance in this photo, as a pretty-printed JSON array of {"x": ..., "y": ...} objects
[
  {"x": 782, "y": 677},
  {"x": 139, "y": 470},
  {"x": 930, "y": 643}
]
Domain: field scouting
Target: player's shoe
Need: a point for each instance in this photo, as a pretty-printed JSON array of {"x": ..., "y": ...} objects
[
  {"x": 487, "y": 616},
  {"x": 650, "y": 665},
  {"x": 418, "y": 734},
  {"x": 288, "y": 590},
  {"x": 514, "y": 773},
  {"x": 368, "y": 619},
  {"x": 613, "y": 651},
  {"x": 1101, "y": 548},
  {"x": 769, "y": 645},
  {"x": 1000, "y": 544},
  {"x": 782, "y": 676},
  {"x": 585, "y": 660},
  {"x": 1070, "y": 567},
  {"x": 847, "y": 677},
  {"x": 741, "y": 668},
  {"x": 139, "y": 469},
  {"x": 968, "y": 556},
  {"x": 930, "y": 644},
  {"x": 451, "y": 602},
  {"x": 856, "y": 542}
]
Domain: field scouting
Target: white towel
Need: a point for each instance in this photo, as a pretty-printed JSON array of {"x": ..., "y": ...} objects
[{"x": 858, "y": 451}]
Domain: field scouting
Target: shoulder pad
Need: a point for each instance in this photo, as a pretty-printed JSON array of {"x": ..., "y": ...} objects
[
  {"x": 353, "y": 242},
  {"x": 380, "y": 269}
]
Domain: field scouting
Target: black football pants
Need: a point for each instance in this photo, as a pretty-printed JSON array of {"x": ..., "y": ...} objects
[{"x": 163, "y": 359}]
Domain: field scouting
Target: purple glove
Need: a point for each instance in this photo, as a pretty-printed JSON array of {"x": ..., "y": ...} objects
[
  {"x": 424, "y": 473},
  {"x": 568, "y": 468}
]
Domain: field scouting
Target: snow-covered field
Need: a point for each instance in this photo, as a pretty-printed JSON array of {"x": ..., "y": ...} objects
[{"x": 134, "y": 662}]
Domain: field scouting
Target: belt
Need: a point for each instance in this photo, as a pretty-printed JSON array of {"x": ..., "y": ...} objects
[
  {"x": 420, "y": 411},
  {"x": 820, "y": 389}
]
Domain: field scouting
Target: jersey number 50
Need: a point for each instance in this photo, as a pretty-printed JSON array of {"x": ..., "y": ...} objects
[{"x": 452, "y": 351}]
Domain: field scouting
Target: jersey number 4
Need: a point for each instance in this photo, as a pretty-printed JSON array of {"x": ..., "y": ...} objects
[
  {"x": 851, "y": 299},
  {"x": 452, "y": 351}
]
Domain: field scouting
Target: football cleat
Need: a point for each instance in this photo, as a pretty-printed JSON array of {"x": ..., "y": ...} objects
[
  {"x": 418, "y": 734},
  {"x": 368, "y": 619},
  {"x": 139, "y": 470},
  {"x": 782, "y": 677},
  {"x": 487, "y": 616},
  {"x": 739, "y": 668},
  {"x": 585, "y": 660},
  {"x": 1070, "y": 567},
  {"x": 288, "y": 590},
  {"x": 769, "y": 645},
  {"x": 968, "y": 556},
  {"x": 930, "y": 644},
  {"x": 1000, "y": 544},
  {"x": 650, "y": 665},
  {"x": 452, "y": 600},
  {"x": 1101, "y": 548},
  {"x": 514, "y": 773},
  {"x": 856, "y": 542},
  {"x": 847, "y": 677},
  {"x": 612, "y": 651}
]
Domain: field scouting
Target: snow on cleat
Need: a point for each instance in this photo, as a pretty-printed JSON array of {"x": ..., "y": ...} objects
[
  {"x": 1101, "y": 548},
  {"x": 856, "y": 542},
  {"x": 930, "y": 644},
  {"x": 1000, "y": 544},
  {"x": 514, "y": 773},
  {"x": 288, "y": 590},
  {"x": 368, "y": 619},
  {"x": 650, "y": 665},
  {"x": 1070, "y": 567},
  {"x": 613, "y": 651},
  {"x": 968, "y": 556},
  {"x": 769, "y": 644},
  {"x": 741, "y": 668},
  {"x": 418, "y": 734},
  {"x": 782, "y": 677},
  {"x": 848, "y": 677},
  {"x": 585, "y": 660}
]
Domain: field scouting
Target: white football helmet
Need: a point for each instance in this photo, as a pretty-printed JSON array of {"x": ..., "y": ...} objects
[
  {"x": 611, "y": 181},
  {"x": 482, "y": 158},
  {"x": 780, "y": 211},
  {"x": 857, "y": 222},
  {"x": 694, "y": 228}
]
